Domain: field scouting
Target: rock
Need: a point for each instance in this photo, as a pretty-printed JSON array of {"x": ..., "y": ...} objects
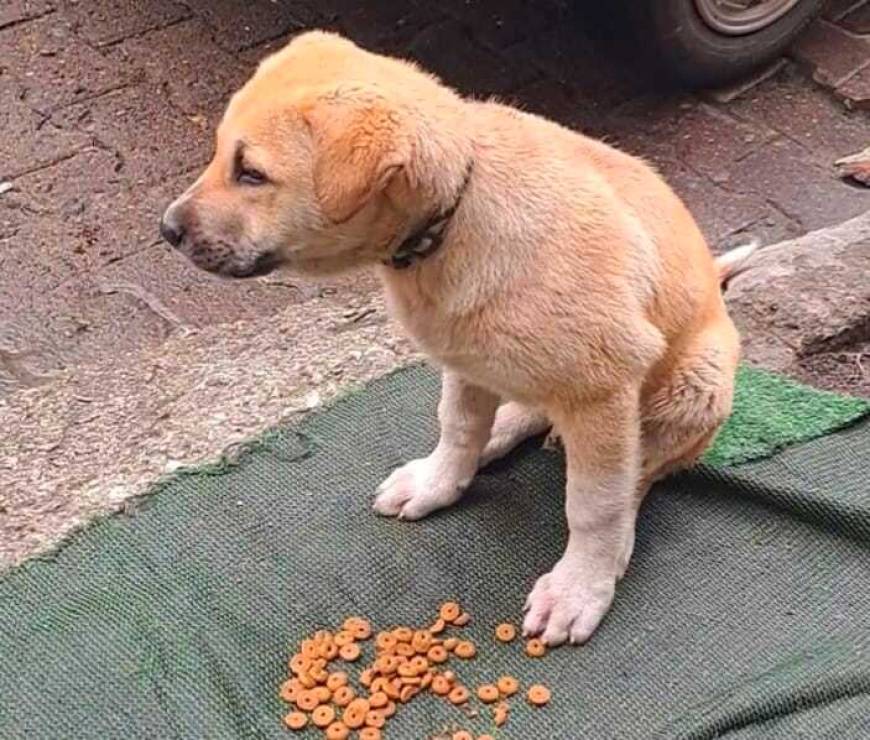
[
  {"x": 855, "y": 167},
  {"x": 804, "y": 296}
]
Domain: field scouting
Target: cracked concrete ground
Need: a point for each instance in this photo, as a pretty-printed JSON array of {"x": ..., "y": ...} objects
[{"x": 119, "y": 361}]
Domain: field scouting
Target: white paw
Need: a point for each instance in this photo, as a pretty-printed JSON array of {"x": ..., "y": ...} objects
[
  {"x": 567, "y": 604},
  {"x": 417, "y": 489}
]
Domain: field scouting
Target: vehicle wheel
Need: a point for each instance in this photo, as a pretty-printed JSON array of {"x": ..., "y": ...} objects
[{"x": 711, "y": 42}]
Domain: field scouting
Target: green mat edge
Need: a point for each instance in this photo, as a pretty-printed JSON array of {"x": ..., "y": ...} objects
[{"x": 723, "y": 453}]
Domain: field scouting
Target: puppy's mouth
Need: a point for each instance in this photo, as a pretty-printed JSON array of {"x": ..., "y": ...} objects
[{"x": 262, "y": 264}]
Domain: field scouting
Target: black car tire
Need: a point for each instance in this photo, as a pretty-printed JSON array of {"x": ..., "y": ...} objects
[{"x": 682, "y": 45}]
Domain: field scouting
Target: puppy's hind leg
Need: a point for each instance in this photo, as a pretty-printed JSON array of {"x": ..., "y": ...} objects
[{"x": 514, "y": 424}]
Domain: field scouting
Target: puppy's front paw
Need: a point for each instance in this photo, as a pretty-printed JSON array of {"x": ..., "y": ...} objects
[
  {"x": 417, "y": 489},
  {"x": 568, "y": 604}
]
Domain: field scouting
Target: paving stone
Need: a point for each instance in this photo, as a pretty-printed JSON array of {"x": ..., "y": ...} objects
[
  {"x": 151, "y": 141},
  {"x": 17, "y": 11},
  {"x": 381, "y": 26},
  {"x": 710, "y": 140},
  {"x": 558, "y": 102},
  {"x": 197, "y": 75},
  {"x": 727, "y": 219},
  {"x": 468, "y": 67},
  {"x": 806, "y": 192},
  {"x": 29, "y": 140},
  {"x": 102, "y": 22},
  {"x": 858, "y": 20},
  {"x": 501, "y": 23},
  {"x": 241, "y": 25},
  {"x": 807, "y": 115},
  {"x": 53, "y": 66},
  {"x": 831, "y": 52},
  {"x": 572, "y": 59},
  {"x": 855, "y": 91},
  {"x": 105, "y": 221}
]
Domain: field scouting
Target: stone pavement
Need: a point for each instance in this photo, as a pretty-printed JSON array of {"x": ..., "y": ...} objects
[{"x": 119, "y": 361}]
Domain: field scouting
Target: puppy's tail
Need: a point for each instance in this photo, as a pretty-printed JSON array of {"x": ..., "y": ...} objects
[{"x": 733, "y": 262}]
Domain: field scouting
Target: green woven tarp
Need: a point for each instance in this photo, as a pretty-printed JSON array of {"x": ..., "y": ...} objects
[{"x": 745, "y": 612}]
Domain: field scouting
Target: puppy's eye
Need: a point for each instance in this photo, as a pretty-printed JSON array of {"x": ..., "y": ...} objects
[{"x": 250, "y": 176}]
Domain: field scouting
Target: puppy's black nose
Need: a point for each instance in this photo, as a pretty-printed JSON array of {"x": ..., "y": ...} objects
[{"x": 173, "y": 233}]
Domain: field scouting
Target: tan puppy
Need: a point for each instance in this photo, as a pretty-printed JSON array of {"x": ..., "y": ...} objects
[{"x": 572, "y": 287}]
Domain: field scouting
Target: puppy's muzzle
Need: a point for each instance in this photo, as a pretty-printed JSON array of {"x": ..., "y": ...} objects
[{"x": 171, "y": 226}]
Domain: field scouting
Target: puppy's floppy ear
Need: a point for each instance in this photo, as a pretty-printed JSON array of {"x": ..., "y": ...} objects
[{"x": 360, "y": 143}]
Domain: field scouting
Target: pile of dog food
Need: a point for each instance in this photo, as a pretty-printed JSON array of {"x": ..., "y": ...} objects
[{"x": 407, "y": 662}]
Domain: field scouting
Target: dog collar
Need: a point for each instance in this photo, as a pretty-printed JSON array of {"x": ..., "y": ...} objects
[{"x": 427, "y": 239}]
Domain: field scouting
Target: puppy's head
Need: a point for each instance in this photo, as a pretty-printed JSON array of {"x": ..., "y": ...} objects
[{"x": 311, "y": 166}]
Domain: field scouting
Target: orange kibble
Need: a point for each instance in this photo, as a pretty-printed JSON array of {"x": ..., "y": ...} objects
[
  {"x": 360, "y": 628},
  {"x": 343, "y": 696},
  {"x": 393, "y": 688},
  {"x": 450, "y": 643},
  {"x": 336, "y": 680},
  {"x": 505, "y": 632},
  {"x": 461, "y": 735},
  {"x": 440, "y": 686},
  {"x": 323, "y": 636},
  {"x": 419, "y": 664},
  {"x": 500, "y": 713},
  {"x": 487, "y": 693},
  {"x": 367, "y": 676},
  {"x": 438, "y": 627},
  {"x": 349, "y": 652},
  {"x": 389, "y": 710},
  {"x": 307, "y": 700},
  {"x": 378, "y": 685},
  {"x": 375, "y": 719},
  {"x": 307, "y": 681},
  {"x": 322, "y": 693},
  {"x": 296, "y": 720},
  {"x": 319, "y": 674},
  {"x": 403, "y": 634},
  {"x": 386, "y": 641},
  {"x": 328, "y": 650},
  {"x": 323, "y": 716},
  {"x": 309, "y": 649},
  {"x": 407, "y": 693},
  {"x": 508, "y": 685},
  {"x": 465, "y": 649},
  {"x": 437, "y": 654},
  {"x": 337, "y": 731},
  {"x": 370, "y": 733},
  {"x": 536, "y": 648},
  {"x": 462, "y": 619},
  {"x": 299, "y": 664},
  {"x": 343, "y": 637},
  {"x": 426, "y": 680},
  {"x": 421, "y": 641},
  {"x": 538, "y": 695},
  {"x": 387, "y": 665},
  {"x": 354, "y": 715},
  {"x": 449, "y": 611},
  {"x": 404, "y": 650},
  {"x": 378, "y": 700},
  {"x": 458, "y": 695},
  {"x": 290, "y": 689}
]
